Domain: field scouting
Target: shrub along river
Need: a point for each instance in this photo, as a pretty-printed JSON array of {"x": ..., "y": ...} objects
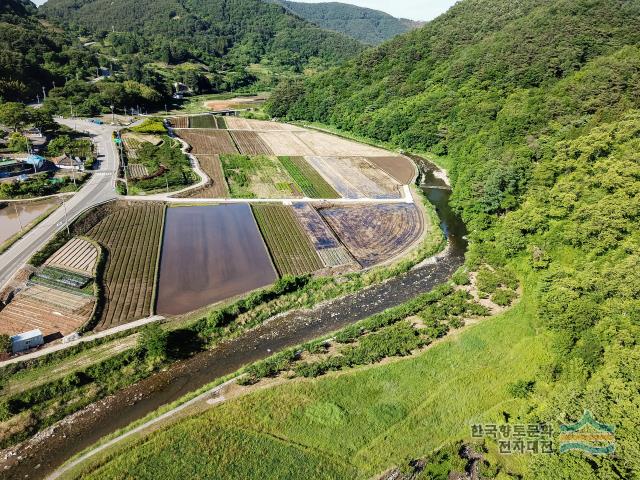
[{"x": 282, "y": 332}]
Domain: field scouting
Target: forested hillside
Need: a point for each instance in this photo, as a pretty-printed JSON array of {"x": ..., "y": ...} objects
[
  {"x": 364, "y": 24},
  {"x": 534, "y": 106},
  {"x": 33, "y": 54},
  {"x": 219, "y": 34}
]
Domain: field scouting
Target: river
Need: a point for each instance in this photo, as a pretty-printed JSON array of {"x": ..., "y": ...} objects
[{"x": 282, "y": 332}]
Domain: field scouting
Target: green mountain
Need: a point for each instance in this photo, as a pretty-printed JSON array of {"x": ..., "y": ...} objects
[
  {"x": 33, "y": 54},
  {"x": 534, "y": 108},
  {"x": 364, "y": 24},
  {"x": 221, "y": 35}
]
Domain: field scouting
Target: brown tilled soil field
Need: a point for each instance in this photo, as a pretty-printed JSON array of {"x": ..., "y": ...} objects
[
  {"x": 375, "y": 233},
  {"x": 326, "y": 145},
  {"x": 237, "y": 103},
  {"x": 208, "y": 142},
  {"x": 249, "y": 143},
  {"x": 179, "y": 122},
  {"x": 285, "y": 144},
  {"x": 77, "y": 255},
  {"x": 400, "y": 168},
  {"x": 50, "y": 310},
  {"x": 212, "y": 167},
  {"x": 237, "y": 123}
]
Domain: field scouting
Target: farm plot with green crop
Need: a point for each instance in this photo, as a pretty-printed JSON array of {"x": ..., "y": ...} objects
[
  {"x": 290, "y": 248},
  {"x": 203, "y": 121},
  {"x": 258, "y": 177},
  {"x": 132, "y": 239},
  {"x": 308, "y": 179}
]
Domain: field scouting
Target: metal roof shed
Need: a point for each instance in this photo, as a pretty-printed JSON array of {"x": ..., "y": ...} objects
[{"x": 25, "y": 341}]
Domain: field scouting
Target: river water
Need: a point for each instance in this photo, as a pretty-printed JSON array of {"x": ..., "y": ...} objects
[{"x": 280, "y": 333}]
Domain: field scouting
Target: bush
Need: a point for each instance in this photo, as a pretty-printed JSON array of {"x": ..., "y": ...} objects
[
  {"x": 310, "y": 370},
  {"x": 521, "y": 388},
  {"x": 503, "y": 297},
  {"x": 5, "y": 343},
  {"x": 151, "y": 126},
  {"x": 461, "y": 277},
  {"x": 154, "y": 341}
]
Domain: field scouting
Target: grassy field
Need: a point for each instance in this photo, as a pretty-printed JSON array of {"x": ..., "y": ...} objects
[
  {"x": 308, "y": 179},
  {"x": 290, "y": 248},
  {"x": 131, "y": 236},
  {"x": 257, "y": 177},
  {"x": 356, "y": 424}
]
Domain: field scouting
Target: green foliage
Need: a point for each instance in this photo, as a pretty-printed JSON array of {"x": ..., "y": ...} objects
[
  {"x": 14, "y": 115},
  {"x": 154, "y": 341},
  {"x": 364, "y": 24},
  {"x": 166, "y": 164},
  {"x": 223, "y": 37},
  {"x": 521, "y": 388},
  {"x": 40, "y": 185},
  {"x": 18, "y": 142},
  {"x": 5, "y": 343},
  {"x": 151, "y": 126},
  {"x": 503, "y": 297}
]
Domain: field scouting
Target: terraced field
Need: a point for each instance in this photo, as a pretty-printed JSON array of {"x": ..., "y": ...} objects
[
  {"x": 77, "y": 255},
  {"x": 375, "y": 233},
  {"x": 136, "y": 171},
  {"x": 131, "y": 237},
  {"x": 249, "y": 143},
  {"x": 213, "y": 168},
  {"x": 354, "y": 177},
  {"x": 51, "y": 310},
  {"x": 290, "y": 247},
  {"x": 203, "y": 121},
  {"x": 238, "y": 123},
  {"x": 285, "y": 143},
  {"x": 308, "y": 179},
  {"x": 208, "y": 142},
  {"x": 257, "y": 177},
  {"x": 179, "y": 122}
]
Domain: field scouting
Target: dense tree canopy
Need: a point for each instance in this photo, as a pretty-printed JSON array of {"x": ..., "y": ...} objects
[
  {"x": 364, "y": 24},
  {"x": 535, "y": 106}
]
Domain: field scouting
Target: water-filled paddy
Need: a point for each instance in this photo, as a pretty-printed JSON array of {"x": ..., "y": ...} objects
[
  {"x": 210, "y": 253},
  {"x": 11, "y": 214}
]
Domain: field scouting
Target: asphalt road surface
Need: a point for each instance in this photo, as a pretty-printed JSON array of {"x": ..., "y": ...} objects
[{"x": 99, "y": 188}]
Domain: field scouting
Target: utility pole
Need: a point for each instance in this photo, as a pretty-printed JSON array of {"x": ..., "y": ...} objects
[
  {"x": 66, "y": 220},
  {"x": 18, "y": 216},
  {"x": 113, "y": 114},
  {"x": 44, "y": 93},
  {"x": 38, "y": 99},
  {"x": 166, "y": 179}
]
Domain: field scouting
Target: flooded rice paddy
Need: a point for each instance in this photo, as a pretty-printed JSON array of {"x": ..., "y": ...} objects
[
  {"x": 17, "y": 215},
  {"x": 210, "y": 253}
]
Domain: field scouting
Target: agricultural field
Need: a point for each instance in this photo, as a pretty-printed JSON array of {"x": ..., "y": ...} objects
[
  {"x": 137, "y": 171},
  {"x": 165, "y": 165},
  {"x": 308, "y": 179},
  {"x": 354, "y": 177},
  {"x": 329, "y": 249},
  {"x": 285, "y": 144},
  {"x": 249, "y": 143},
  {"x": 211, "y": 165},
  {"x": 203, "y": 121},
  {"x": 179, "y": 122},
  {"x": 209, "y": 142},
  {"x": 53, "y": 311},
  {"x": 132, "y": 238},
  {"x": 257, "y": 177},
  {"x": 326, "y": 145},
  {"x": 239, "y": 123},
  {"x": 209, "y": 254},
  {"x": 77, "y": 255},
  {"x": 400, "y": 168},
  {"x": 290, "y": 247},
  {"x": 375, "y": 233}
]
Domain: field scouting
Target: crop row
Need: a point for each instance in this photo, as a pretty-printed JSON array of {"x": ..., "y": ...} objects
[
  {"x": 290, "y": 248},
  {"x": 307, "y": 178},
  {"x": 132, "y": 237}
]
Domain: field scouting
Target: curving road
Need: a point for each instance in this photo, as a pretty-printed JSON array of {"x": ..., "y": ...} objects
[{"x": 99, "y": 188}]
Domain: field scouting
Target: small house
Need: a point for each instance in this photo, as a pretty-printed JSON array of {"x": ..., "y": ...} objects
[
  {"x": 65, "y": 162},
  {"x": 27, "y": 340}
]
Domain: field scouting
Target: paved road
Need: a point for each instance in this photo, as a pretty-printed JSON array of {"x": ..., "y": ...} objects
[{"x": 99, "y": 188}]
